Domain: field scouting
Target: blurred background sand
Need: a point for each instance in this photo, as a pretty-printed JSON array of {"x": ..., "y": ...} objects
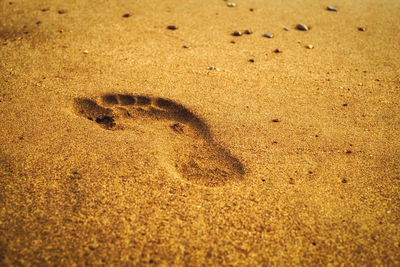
[{"x": 321, "y": 185}]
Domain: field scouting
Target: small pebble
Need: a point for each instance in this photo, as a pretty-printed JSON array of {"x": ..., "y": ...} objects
[
  {"x": 86, "y": 52},
  {"x": 277, "y": 51},
  {"x": 360, "y": 84},
  {"x": 237, "y": 33},
  {"x": 302, "y": 27},
  {"x": 286, "y": 29},
  {"x": 362, "y": 29},
  {"x": 275, "y": 120},
  {"x": 185, "y": 46},
  {"x": 44, "y": 9},
  {"x": 331, "y": 8},
  {"x": 268, "y": 35},
  {"x": 233, "y": 42},
  {"x": 251, "y": 9},
  {"x": 38, "y": 22},
  {"x": 248, "y": 32},
  {"x": 231, "y": 4},
  {"x": 344, "y": 180},
  {"x": 172, "y": 27},
  {"x": 251, "y": 60},
  {"x": 211, "y": 68},
  {"x": 126, "y": 15},
  {"x": 310, "y": 46},
  {"x": 61, "y": 11},
  {"x": 345, "y": 105}
]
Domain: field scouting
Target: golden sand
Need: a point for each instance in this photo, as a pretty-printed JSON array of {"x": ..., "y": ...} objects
[{"x": 124, "y": 142}]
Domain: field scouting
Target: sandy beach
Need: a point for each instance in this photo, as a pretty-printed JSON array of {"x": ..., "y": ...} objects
[{"x": 139, "y": 133}]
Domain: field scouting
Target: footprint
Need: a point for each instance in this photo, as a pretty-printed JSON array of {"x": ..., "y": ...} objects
[{"x": 199, "y": 159}]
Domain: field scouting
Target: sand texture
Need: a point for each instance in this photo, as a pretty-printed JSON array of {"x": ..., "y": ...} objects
[{"x": 124, "y": 142}]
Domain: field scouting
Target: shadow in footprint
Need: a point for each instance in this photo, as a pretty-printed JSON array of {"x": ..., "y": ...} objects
[{"x": 205, "y": 163}]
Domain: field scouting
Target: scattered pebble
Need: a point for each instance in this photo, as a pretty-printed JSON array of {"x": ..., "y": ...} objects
[
  {"x": 331, "y": 8},
  {"x": 349, "y": 151},
  {"x": 86, "y": 52},
  {"x": 286, "y": 29},
  {"x": 126, "y": 15},
  {"x": 44, "y": 9},
  {"x": 302, "y": 27},
  {"x": 61, "y": 11},
  {"x": 276, "y": 120},
  {"x": 213, "y": 68},
  {"x": 344, "y": 180},
  {"x": 362, "y": 29},
  {"x": 251, "y": 9},
  {"x": 310, "y": 46},
  {"x": 237, "y": 33},
  {"x": 277, "y": 51},
  {"x": 231, "y": 4},
  {"x": 268, "y": 35},
  {"x": 360, "y": 84},
  {"x": 345, "y": 105},
  {"x": 38, "y": 22},
  {"x": 185, "y": 46},
  {"x": 248, "y": 31},
  {"x": 233, "y": 42},
  {"x": 172, "y": 27},
  {"x": 251, "y": 60}
]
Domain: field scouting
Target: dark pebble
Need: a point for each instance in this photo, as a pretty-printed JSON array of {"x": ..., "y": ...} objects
[
  {"x": 44, "y": 9},
  {"x": 172, "y": 27},
  {"x": 277, "y": 51},
  {"x": 126, "y": 15},
  {"x": 248, "y": 32},
  {"x": 237, "y": 33},
  {"x": 251, "y": 9},
  {"x": 331, "y": 8},
  {"x": 362, "y": 29},
  {"x": 185, "y": 46},
  {"x": 345, "y": 105},
  {"x": 233, "y": 42},
  {"x": 349, "y": 151},
  {"x": 61, "y": 11},
  {"x": 275, "y": 120},
  {"x": 268, "y": 35},
  {"x": 302, "y": 27},
  {"x": 38, "y": 22},
  {"x": 251, "y": 60},
  {"x": 344, "y": 180}
]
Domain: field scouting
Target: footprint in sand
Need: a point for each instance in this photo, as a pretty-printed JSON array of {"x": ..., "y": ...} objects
[{"x": 199, "y": 159}]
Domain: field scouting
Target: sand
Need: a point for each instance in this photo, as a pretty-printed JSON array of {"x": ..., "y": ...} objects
[{"x": 118, "y": 146}]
